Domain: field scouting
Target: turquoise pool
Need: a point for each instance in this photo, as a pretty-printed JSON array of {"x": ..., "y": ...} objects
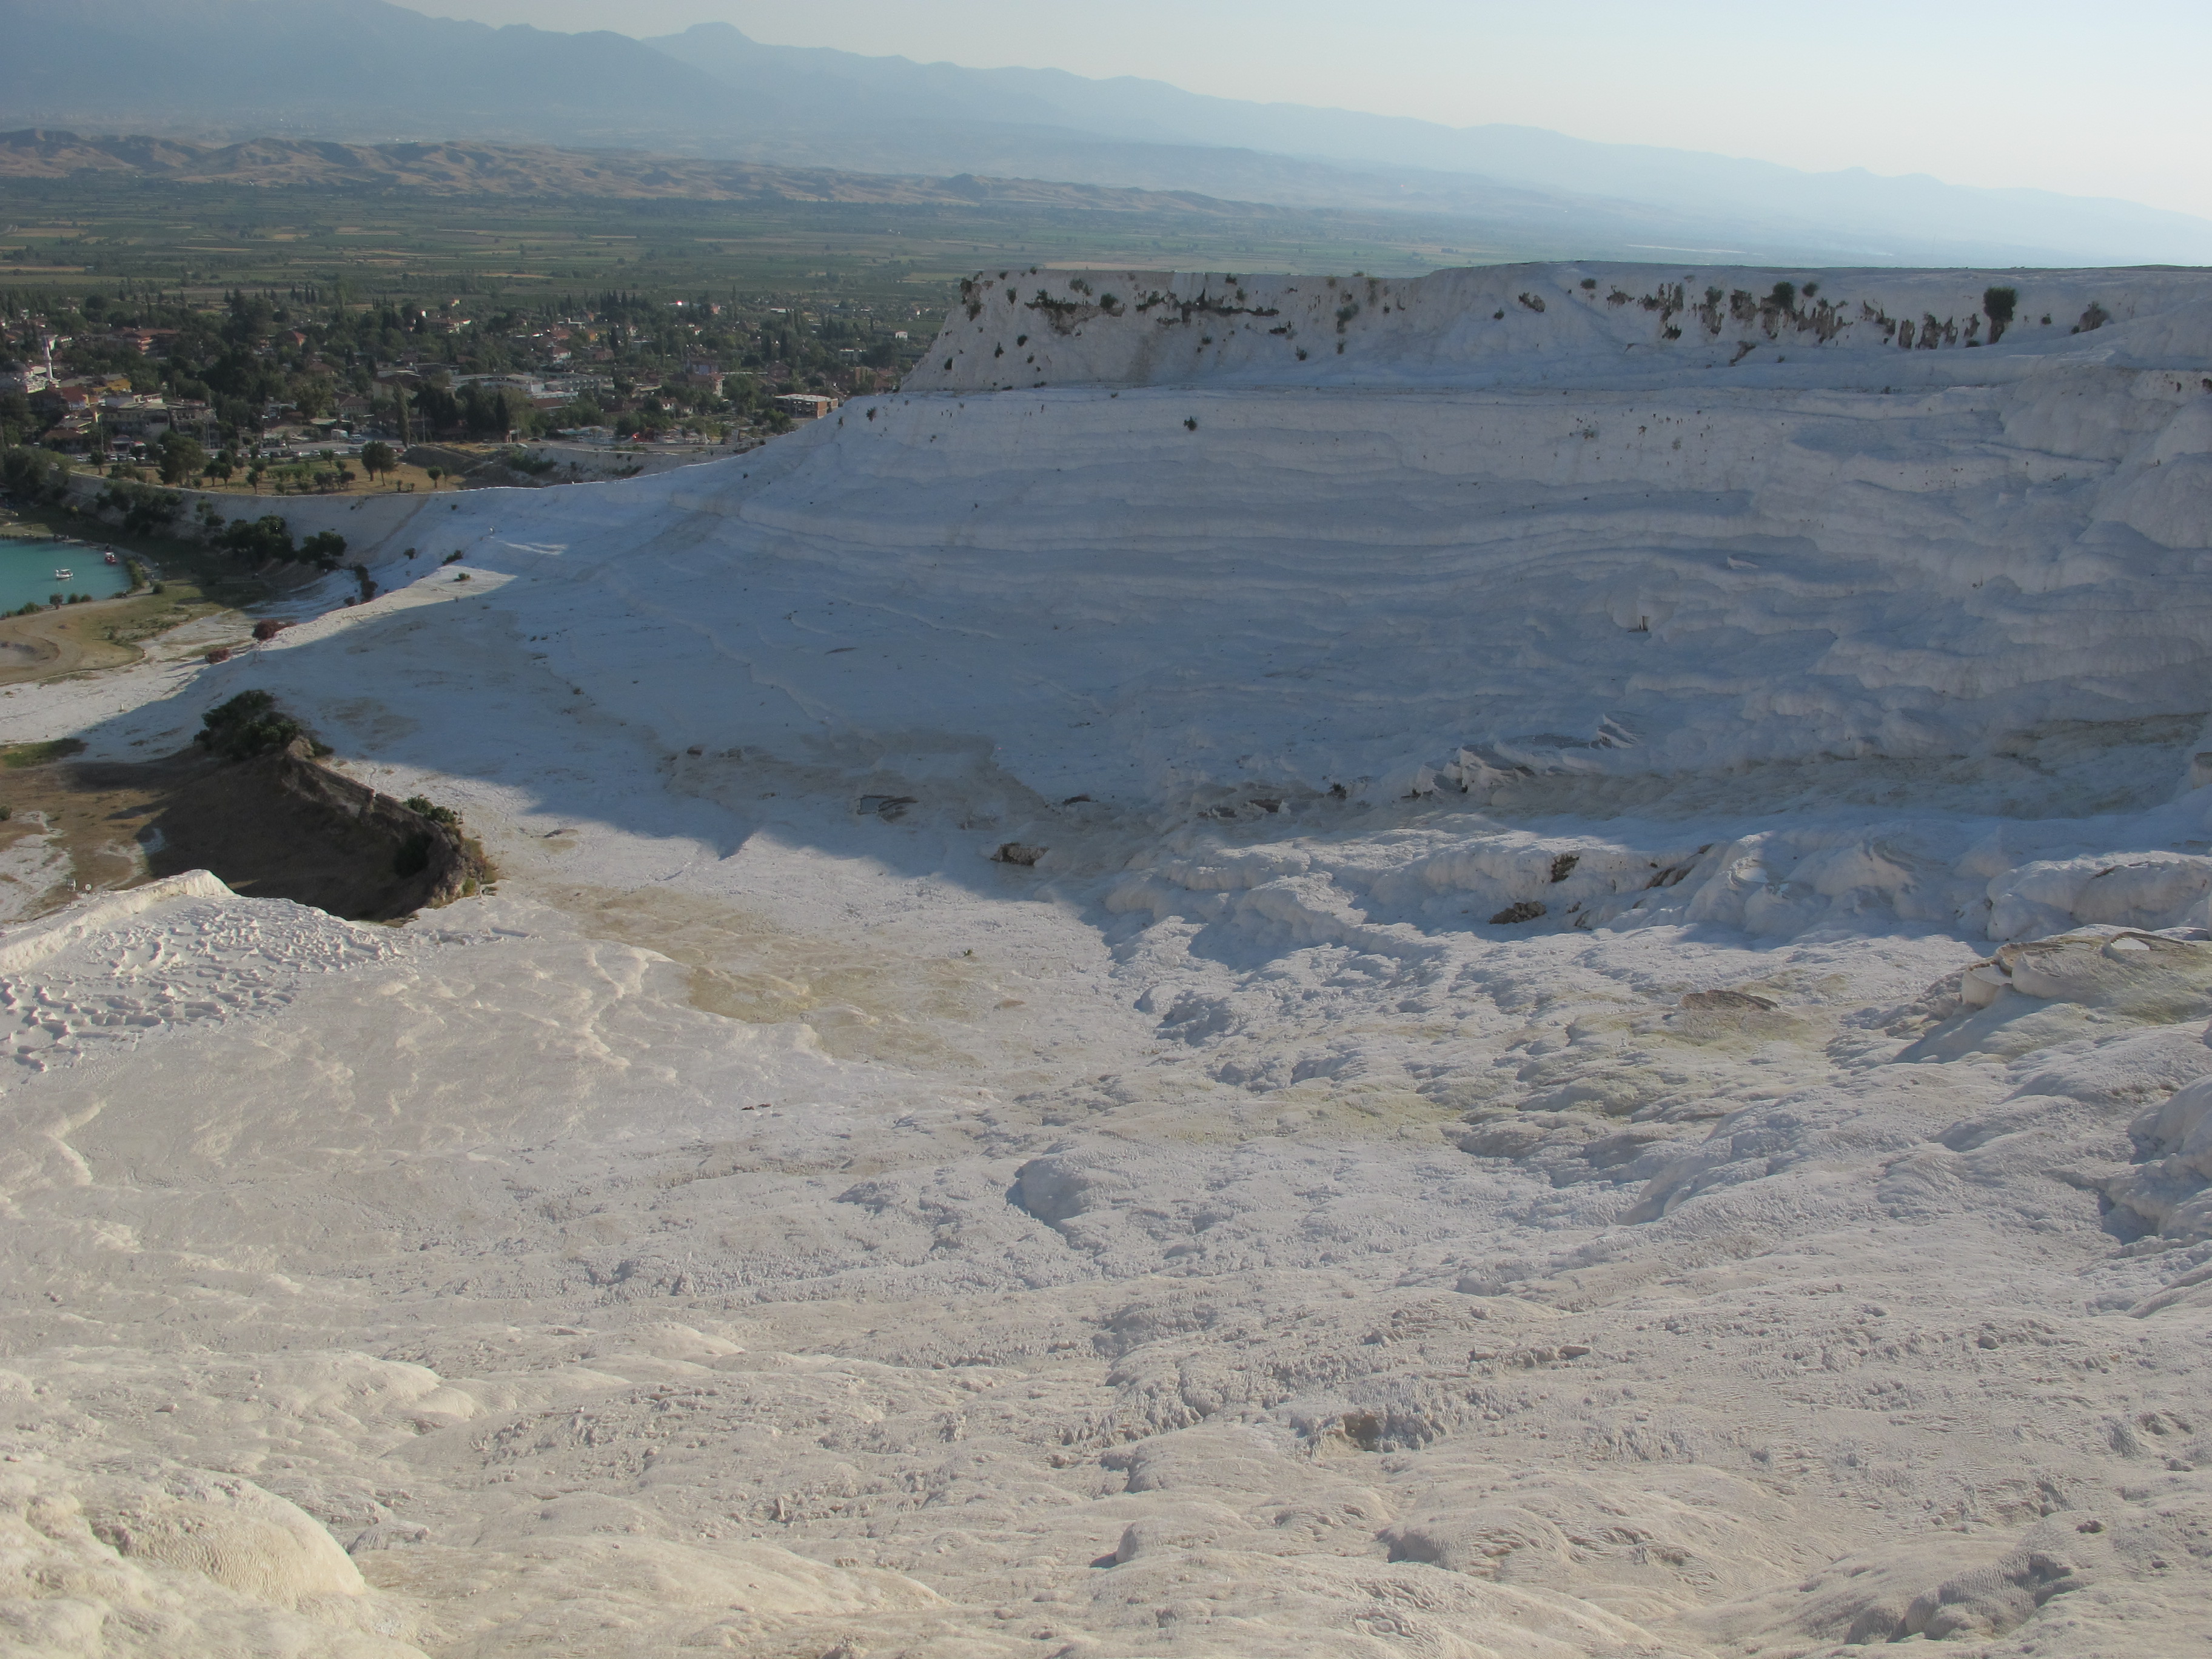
[{"x": 27, "y": 572}]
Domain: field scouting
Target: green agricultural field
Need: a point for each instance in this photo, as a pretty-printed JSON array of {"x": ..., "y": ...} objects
[{"x": 87, "y": 233}]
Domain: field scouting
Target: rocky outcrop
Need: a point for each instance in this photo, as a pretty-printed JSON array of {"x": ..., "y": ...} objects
[{"x": 284, "y": 825}]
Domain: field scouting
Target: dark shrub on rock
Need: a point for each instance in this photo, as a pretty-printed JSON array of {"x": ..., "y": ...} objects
[{"x": 249, "y": 724}]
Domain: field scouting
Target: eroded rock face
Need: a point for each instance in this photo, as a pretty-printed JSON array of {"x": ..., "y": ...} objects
[
  {"x": 227, "y": 1530},
  {"x": 174, "y": 1559},
  {"x": 1501, "y": 1542},
  {"x": 2169, "y": 1191},
  {"x": 2133, "y": 972},
  {"x": 285, "y": 825}
]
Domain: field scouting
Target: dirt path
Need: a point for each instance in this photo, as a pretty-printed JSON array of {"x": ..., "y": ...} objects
[
  {"x": 53, "y": 643},
  {"x": 61, "y": 830}
]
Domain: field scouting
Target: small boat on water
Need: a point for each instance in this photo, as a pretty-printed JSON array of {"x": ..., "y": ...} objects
[
  {"x": 111, "y": 558},
  {"x": 64, "y": 575}
]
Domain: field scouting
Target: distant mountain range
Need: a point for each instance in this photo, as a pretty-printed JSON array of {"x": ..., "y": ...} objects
[
  {"x": 459, "y": 169},
  {"x": 369, "y": 70}
]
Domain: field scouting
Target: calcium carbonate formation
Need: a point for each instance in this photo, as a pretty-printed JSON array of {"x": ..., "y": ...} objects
[{"x": 1513, "y": 964}]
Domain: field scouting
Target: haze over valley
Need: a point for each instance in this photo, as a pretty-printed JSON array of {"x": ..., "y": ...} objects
[{"x": 237, "y": 70}]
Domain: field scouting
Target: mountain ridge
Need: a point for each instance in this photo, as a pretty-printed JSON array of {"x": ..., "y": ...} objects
[
  {"x": 232, "y": 69},
  {"x": 1510, "y": 154},
  {"x": 483, "y": 168}
]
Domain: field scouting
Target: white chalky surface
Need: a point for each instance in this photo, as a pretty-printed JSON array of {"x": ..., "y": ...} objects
[{"x": 770, "y": 1224}]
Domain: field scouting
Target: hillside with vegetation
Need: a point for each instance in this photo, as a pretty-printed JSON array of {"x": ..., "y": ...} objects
[
  {"x": 414, "y": 371},
  {"x": 279, "y": 295}
]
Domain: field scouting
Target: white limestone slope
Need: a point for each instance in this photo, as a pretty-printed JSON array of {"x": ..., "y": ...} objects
[
  {"x": 1605, "y": 1052},
  {"x": 1593, "y": 324}
]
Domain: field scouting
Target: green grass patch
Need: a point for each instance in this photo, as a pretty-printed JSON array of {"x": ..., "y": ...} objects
[
  {"x": 15, "y": 756},
  {"x": 86, "y": 234}
]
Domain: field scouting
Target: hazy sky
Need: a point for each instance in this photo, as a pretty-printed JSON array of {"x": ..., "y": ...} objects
[{"x": 2094, "y": 99}]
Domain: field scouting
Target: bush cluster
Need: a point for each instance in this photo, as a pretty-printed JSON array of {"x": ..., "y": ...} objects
[
  {"x": 33, "y": 477},
  {"x": 1998, "y": 304},
  {"x": 259, "y": 541},
  {"x": 249, "y": 724},
  {"x": 146, "y": 511}
]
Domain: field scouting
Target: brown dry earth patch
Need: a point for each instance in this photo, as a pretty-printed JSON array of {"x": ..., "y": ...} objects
[{"x": 276, "y": 826}]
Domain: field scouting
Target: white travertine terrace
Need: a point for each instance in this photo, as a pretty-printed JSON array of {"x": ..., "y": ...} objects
[{"x": 771, "y": 1223}]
